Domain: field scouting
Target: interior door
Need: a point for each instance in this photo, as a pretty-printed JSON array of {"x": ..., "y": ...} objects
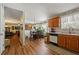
[{"x": 1, "y": 28}]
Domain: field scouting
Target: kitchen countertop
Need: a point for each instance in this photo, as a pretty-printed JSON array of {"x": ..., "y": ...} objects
[
  {"x": 69, "y": 34},
  {"x": 64, "y": 33}
]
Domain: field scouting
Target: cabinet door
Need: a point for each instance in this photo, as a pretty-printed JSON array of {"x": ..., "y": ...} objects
[
  {"x": 69, "y": 41},
  {"x": 55, "y": 22},
  {"x": 73, "y": 43},
  {"x": 61, "y": 40},
  {"x": 50, "y": 23}
]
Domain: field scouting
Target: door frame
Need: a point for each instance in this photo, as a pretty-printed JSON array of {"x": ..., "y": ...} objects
[
  {"x": 2, "y": 23},
  {"x": 22, "y": 30}
]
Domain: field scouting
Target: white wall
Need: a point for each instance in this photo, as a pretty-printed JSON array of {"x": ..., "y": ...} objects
[{"x": 2, "y": 28}]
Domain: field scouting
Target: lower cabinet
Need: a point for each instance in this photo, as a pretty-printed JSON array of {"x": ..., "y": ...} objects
[
  {"x": 73, "y": 43},
  {"x": 70, "y": 42},
  {"x": 61, "y": 40}
]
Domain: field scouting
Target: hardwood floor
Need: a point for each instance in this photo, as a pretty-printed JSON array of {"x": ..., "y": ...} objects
[{"x": 34, "y": 47}]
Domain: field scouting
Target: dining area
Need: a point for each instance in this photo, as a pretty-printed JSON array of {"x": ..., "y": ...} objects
[{"x": 35, "y": 33}]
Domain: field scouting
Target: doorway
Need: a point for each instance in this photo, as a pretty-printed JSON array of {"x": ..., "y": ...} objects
[{"x": 13, "y": 26}]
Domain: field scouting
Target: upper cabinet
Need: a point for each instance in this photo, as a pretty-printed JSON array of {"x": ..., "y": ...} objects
[{"x": 53, "y": 22}]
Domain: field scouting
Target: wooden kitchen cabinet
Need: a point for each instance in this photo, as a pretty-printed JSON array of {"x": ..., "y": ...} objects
[
  {"x": 70, "y": 42},
  {"x": 61, "y": 40},
  {"x": 73, "y": 43},
  {"x": 53, "y": 22},
  {"x": 50, "y": 23}
]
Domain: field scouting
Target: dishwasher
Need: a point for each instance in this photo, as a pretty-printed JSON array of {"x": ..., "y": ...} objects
[{"x": 53, "y": 38}]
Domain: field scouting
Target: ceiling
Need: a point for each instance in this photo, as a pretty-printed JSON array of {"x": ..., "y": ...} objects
[
  {"x": 39, "y": 12},
  {"x": 12, "y": 15}
]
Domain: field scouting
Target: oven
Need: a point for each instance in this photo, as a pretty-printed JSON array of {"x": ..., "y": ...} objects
[{"x": 53, "y": 36}]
